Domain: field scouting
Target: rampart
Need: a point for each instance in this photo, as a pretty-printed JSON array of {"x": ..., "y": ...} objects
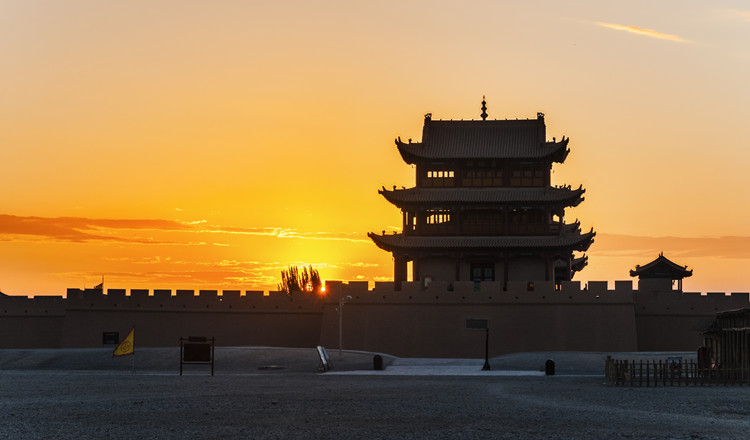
[
  {"x": 161, "y": 318},
  {"x": 436, "y": 321}
]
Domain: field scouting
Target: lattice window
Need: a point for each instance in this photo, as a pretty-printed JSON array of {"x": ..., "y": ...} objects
[{"x": 437, "y": 217}]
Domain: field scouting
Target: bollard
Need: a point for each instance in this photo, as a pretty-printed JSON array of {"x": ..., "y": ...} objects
[
  {"x": 377, "y": 362},
  {"x": 549, "y": 367}
]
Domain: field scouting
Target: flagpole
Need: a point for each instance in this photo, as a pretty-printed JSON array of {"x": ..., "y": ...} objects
[{"x": 133, "y": 330}]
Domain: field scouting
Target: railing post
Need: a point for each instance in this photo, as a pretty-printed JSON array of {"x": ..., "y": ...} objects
[
  {"x": 640, "y": 373},
  {"x": 668, "y": 370},
  {"x": 663, "y": 373}
]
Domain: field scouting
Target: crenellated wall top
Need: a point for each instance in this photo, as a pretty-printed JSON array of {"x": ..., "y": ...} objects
[{"x": 359, "y": 292}]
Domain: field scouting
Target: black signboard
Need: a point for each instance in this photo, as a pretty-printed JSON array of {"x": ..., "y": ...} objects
[
  {"x": 110, "y": 338},
  {"x": 197, "y": 350},
  {"x": 477, "y": 324}
]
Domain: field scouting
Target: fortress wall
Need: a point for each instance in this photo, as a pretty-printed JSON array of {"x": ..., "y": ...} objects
[
  {"x": 431, "y": 322},
  {"x": 673, "y": 320},
  {"x": 465, "y": 293},
  {"x": 414, "y": 321},
  {"x": 425, "y": 320},
  {"x": 276, "y": 319},
  {"x": 30, "y": 322},
  {"x": 80, "y": 319},
  {"x": 84, "y": 328}
]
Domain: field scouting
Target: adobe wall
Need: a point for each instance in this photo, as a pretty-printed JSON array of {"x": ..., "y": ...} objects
[
  {"x": 161, "y": 318},
  {"x": 31, "y": 323},
  {"x": 432, "y": 322},
  {"x": 427, "y": 322},
  {"x": 673, "y": 320}
]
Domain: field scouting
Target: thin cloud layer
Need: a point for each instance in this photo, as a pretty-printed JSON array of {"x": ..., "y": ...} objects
[
  {"x": 80, "y": 230},
  {"x": 738, "y": 14},
  {"x": 641, "y": 31},
  {"x": 175, "y": 278},
  {"x": 168, "y": 272},
  {"x": 730, "y": 247},
  {"x": 219, "y": 260}
]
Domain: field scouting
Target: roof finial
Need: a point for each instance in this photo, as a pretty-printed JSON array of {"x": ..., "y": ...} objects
[{"x": 484, "y": 109}]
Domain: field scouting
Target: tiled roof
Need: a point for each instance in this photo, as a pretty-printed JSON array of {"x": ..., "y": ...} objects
[
  {"x": 502, "y": 139},
  {"x": 576, "y": 264},
  {"x": 661, "y": 267},
  {"x": 548, "y": 195},
  {"x": 575, "y": 241}
]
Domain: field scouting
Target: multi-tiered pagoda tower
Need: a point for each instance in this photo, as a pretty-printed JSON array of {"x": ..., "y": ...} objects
[{"x": 483, "y": 208}]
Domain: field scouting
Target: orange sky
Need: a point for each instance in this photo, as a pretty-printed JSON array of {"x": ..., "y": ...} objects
[{"x": 208, "y": 145}]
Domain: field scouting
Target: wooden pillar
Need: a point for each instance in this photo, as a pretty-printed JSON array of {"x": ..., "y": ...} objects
[
  {"x": 505, "y": 272},
  {"x": 458, "y": 267},
  {"x": 399, "y": 271}
]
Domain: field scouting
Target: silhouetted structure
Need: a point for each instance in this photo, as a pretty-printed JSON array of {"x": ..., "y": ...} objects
[
  {"x": 483, "y": 208},
  {"x": 483, "y": 225},
  {"x": 660, "y": 274},
  {"x": 414, "y": 322},
  {"x": 727, "y": 342}
]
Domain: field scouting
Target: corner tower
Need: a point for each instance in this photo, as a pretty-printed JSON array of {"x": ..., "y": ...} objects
[{"x": 483, "y": 208}]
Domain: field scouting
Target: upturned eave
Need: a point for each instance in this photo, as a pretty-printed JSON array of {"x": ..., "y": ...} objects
[
  {"x": 467, "y": 196},
  {"x": 575, "y": 241}
]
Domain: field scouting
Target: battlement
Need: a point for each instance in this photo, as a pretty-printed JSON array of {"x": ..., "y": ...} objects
[
  {"x": 672, "y": 303},
  {"x": 596, "y": 316},
  {"x": 535, "y": 292},
  {"x": 161, "y": 300},
  {"x": 467, "y": 292},
  {"x": 437, "y": 292}
]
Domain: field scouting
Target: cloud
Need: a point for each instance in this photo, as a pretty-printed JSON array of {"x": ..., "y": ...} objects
[
  {"x": 617, "y": 245},
  {"x": 640, "y": 31},
  {"x": 81, "y": 230},
  {"x": 176, "y": 278},
  {"x": 737, "y": 14},
  {"x": 362, "y": 264},
  {"x": 356, "y": 237}
]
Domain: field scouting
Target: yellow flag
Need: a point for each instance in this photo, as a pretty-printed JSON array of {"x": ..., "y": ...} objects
[{"x": 127, "y": 346}]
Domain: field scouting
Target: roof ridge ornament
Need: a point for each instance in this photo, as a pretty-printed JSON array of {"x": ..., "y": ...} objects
[{"x": 484, "y": 109}]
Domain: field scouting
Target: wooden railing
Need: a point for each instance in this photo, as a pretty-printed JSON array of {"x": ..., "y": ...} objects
[{"x": 661, "y": 373}]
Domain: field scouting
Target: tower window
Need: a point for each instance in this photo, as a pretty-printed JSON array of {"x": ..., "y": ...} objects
[
  {"x": 483, "y": 272},
  {"x": 438, "y": 178},
  {"x": 440, "y": 174},
  {"x": 437, "y": 217}
]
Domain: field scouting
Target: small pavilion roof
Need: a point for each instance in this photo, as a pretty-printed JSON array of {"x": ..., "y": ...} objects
[
  {"x": 661, "y": 267},
  {"x": 482, "y": 139},
  {"x": 570, "y": 240},
  {"x": 541, "y": 196}
]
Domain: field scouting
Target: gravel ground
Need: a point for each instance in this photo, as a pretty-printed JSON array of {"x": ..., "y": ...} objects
[{"x": 288, "y": 404}]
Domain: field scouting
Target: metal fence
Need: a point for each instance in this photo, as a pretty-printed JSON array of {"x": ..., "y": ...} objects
[{"x": 670, "y": 372}]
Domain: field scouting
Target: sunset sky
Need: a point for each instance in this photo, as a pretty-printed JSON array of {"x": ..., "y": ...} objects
[{"x": 208, "y": 145}]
